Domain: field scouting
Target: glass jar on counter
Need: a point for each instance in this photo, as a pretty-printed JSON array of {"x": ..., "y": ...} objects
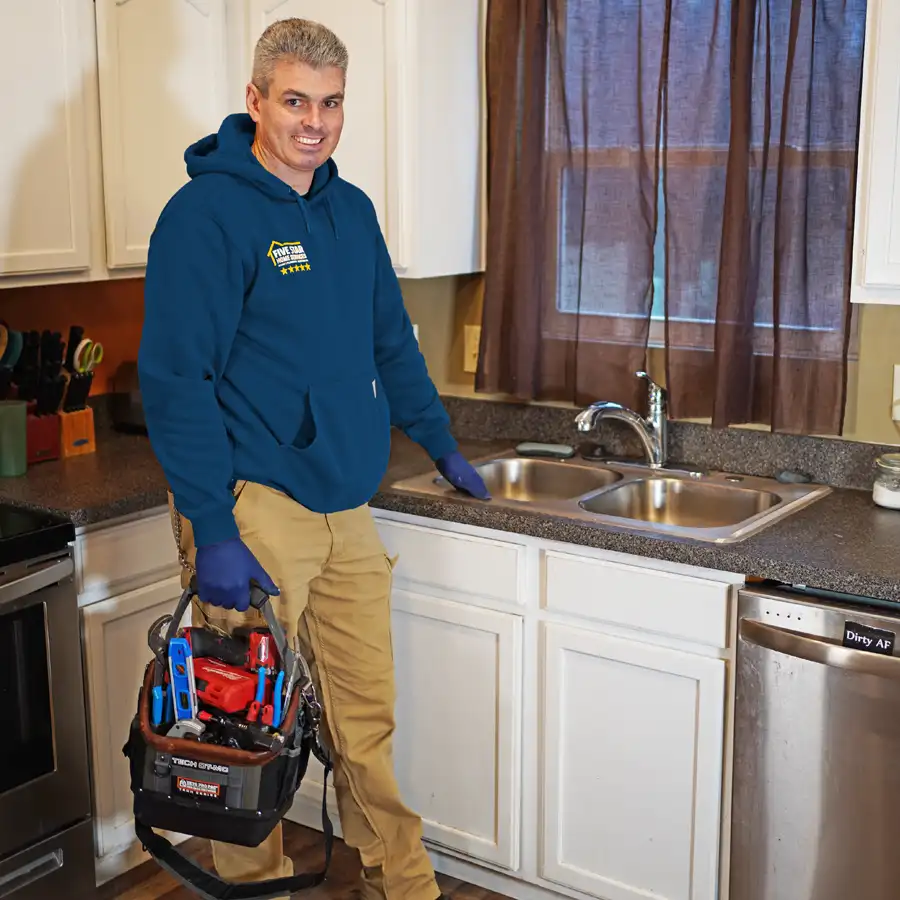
[{"x": 886, "y": 490}]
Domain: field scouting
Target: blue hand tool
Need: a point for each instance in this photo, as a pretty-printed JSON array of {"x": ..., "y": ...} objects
[
  {"x": 276, "y": 699},
  {"x": 181, "y": 676},
  {"x": 261, "y": 685},
  {"x": 161, "y": 708}
]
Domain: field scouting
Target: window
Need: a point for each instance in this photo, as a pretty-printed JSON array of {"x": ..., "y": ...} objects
[{"x": 638, "y": 132}]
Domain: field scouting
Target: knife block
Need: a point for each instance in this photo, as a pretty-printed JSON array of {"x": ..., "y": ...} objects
[
  {"x": 42, "y": 437},
  {"x": 76, "y": 430}
]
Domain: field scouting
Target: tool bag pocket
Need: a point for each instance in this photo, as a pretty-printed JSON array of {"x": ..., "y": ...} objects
[{"x": 221, "y": 793}]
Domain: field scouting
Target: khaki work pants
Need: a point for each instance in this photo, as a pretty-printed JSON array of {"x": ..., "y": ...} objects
[{"x": 335, "y": 580}]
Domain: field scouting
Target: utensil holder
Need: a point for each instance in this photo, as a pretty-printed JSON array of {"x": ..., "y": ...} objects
[
  {"x": 42, "y": 437},
  {"x": 77, "y": 432}
]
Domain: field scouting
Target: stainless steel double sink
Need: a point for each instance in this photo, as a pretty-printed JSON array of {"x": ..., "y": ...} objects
[{"x": 717, "y": 507}]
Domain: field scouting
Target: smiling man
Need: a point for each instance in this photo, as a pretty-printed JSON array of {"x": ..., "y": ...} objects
[{"x": 276, "y": 354}]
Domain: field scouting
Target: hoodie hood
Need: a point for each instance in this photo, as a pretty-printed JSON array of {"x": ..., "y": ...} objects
[{"x": 229, "y": 152}]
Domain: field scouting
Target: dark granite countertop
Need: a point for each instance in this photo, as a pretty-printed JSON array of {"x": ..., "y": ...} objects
[{"x": 842, "y": 542}]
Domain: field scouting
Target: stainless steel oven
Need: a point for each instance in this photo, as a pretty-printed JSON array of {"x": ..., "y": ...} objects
[{"x": 46, "y": 838}]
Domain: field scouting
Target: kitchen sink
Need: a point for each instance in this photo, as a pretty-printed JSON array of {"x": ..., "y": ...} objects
[
  {"x": 676, "y": 501},
  {"x": 534, "y": 480},
  {"x": 679, "y": 501}
]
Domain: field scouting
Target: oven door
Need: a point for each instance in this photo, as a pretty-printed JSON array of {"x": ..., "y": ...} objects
[{"x": 44, "y": 769}]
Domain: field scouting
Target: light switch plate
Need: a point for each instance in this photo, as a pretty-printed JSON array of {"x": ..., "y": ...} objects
[
  {"x": 472, "y": 339},
  {"x": 895, "y": 396}
]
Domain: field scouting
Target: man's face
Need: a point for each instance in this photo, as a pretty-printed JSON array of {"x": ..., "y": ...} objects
[{"x": 299, "y": 124}]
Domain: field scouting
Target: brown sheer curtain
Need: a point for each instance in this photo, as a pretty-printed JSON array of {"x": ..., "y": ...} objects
[{"x": 689, "y": 163}]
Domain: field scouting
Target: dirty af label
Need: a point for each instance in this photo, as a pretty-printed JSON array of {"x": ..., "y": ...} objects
[{"x": 871, "y": 640}]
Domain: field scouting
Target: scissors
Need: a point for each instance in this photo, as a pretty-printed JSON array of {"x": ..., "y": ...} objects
[{"x": 88, "y": 354}]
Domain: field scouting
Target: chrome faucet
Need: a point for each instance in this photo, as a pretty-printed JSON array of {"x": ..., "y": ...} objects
[{"x": 652, "y": 431}]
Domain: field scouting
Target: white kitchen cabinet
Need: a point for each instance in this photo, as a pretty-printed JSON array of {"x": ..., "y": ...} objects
[
  {"x": 164, "y": 76},
  {"x": 632, "y": 763},
  {"x": 561, "y": 711},
  {"x": 115, "y": 656},
  {"x": 123, "y": 87},
  {"x": 46, "y": 63},
  {"x": 876, "y": 258},
  {"x": 413, "y": 132},
  {"x": 458, "y": 712}
]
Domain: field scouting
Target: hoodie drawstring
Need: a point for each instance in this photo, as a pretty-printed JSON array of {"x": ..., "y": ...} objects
[
  {"x": 329, "y": 210},
  {"x": 302, "y": 204}
]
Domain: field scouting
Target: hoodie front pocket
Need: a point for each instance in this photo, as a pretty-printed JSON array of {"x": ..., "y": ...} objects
[{"x": 351, "y": 444}]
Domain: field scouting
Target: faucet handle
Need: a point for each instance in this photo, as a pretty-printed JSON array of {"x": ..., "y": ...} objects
[{"x": 656, "y": 391}]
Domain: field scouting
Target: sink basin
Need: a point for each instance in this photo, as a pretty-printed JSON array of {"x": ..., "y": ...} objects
[
  {"x": 680, "y": 502},
  {"x": 536, "y": 480}
]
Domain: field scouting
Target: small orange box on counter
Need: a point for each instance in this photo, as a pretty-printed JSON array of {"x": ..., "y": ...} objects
[{"x": 77, "y": 432}]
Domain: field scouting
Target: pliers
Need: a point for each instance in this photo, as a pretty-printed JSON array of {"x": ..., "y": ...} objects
[{"x": 160, "y": 694}]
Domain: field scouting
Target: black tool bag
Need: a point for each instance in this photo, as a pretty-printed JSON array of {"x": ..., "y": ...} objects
[{"x": 225, "y": 794}]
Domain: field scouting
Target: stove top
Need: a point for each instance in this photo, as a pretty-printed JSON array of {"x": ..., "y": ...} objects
[{"x": 29, "y": 533}]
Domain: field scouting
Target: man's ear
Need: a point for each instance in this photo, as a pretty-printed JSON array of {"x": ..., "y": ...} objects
[{"x": 253, "y": 98}]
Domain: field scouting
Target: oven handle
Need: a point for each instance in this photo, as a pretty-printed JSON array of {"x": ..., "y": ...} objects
[
  {"x": 802, "y": 646},
  {"x": 31, "y": 872},
  {"x": 41, "y": 576}
]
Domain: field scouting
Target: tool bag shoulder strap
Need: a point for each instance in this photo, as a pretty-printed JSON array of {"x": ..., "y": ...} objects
[{"x": 210, "y": 887}]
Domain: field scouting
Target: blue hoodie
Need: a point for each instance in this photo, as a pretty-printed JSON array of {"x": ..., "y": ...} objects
[{"x": 275, "y": 347}]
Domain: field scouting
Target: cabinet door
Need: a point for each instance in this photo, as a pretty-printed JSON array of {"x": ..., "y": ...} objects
[
  {"x": 361, "y": 25},
  {"x": 632, "y": 765},
  {"x": 877, "y": 275},
  {"x": 457, "y": 743},
  {"x": 45, "y": 63},
  {"x": 116, "y": 653},
  {"x": 164, "y": 83}
]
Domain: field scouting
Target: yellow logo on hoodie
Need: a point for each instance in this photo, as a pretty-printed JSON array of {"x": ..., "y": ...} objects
[{"x": 288, "y": 256}]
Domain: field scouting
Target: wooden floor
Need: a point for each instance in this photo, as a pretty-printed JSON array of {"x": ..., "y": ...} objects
[{"x": 304, "y": 846}]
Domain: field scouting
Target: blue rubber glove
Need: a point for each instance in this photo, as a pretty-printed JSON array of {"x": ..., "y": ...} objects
[
  {"x": 462, "y": 475},
  {"x": 224, "y": 572}
]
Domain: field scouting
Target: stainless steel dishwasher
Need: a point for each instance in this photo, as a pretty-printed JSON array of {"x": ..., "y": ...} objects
[{"x": 816, "y": 804}]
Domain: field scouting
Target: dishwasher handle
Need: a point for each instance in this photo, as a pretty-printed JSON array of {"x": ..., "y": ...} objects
[{"x": 814, "y": 649}]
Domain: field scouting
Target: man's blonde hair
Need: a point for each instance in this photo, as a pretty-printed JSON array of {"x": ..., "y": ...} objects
[{"x": 297, "y": 39}]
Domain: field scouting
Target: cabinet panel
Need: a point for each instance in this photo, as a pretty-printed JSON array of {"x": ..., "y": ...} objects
[
  {"x": 679, "y": 606},
  {"x": 361, "y": 25},
  {"x": 124, "y": 555},
  {"x": 116, "y": 653},
  {"x": 164, "y": 83},
  {"x": 877, "y": 262},
  {"x": 46, "y": 63},
  {"x": 632, "y": 765},
  {"x": 456, "y": 747},
  {"x": 471, "y": 566}
]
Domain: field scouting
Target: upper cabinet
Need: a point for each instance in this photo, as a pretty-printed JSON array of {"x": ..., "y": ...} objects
[
  {"x": 876, "y": 257},
  {"x": 45, "y": 58},
  {"x": 163, "y": 73},
  {"x": 123, "y": 87}
]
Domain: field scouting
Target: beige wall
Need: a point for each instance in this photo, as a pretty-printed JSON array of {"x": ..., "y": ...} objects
[{"x": 442, "y": 306}]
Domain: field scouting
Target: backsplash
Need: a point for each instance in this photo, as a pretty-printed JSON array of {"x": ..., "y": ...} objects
[
  {"x": 110, "y": 312},
  {"x": 836, "y": 462}
]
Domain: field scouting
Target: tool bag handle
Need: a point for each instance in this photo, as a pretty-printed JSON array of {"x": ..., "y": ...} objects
[
  {"x": 259, "y": 599},
  {"x": 210, "y": 887}
]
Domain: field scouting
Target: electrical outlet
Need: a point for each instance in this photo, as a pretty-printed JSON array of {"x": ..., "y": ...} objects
[
  {"x": 895, "y": 397},
  {"x": 472, "y": 340}
]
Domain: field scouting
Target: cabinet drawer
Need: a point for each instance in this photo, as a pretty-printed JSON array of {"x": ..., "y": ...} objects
[
  {"x": 129, "y": 553},
  {"x": 453, "y": 562},
  {"x": 680, "y": 606}
]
